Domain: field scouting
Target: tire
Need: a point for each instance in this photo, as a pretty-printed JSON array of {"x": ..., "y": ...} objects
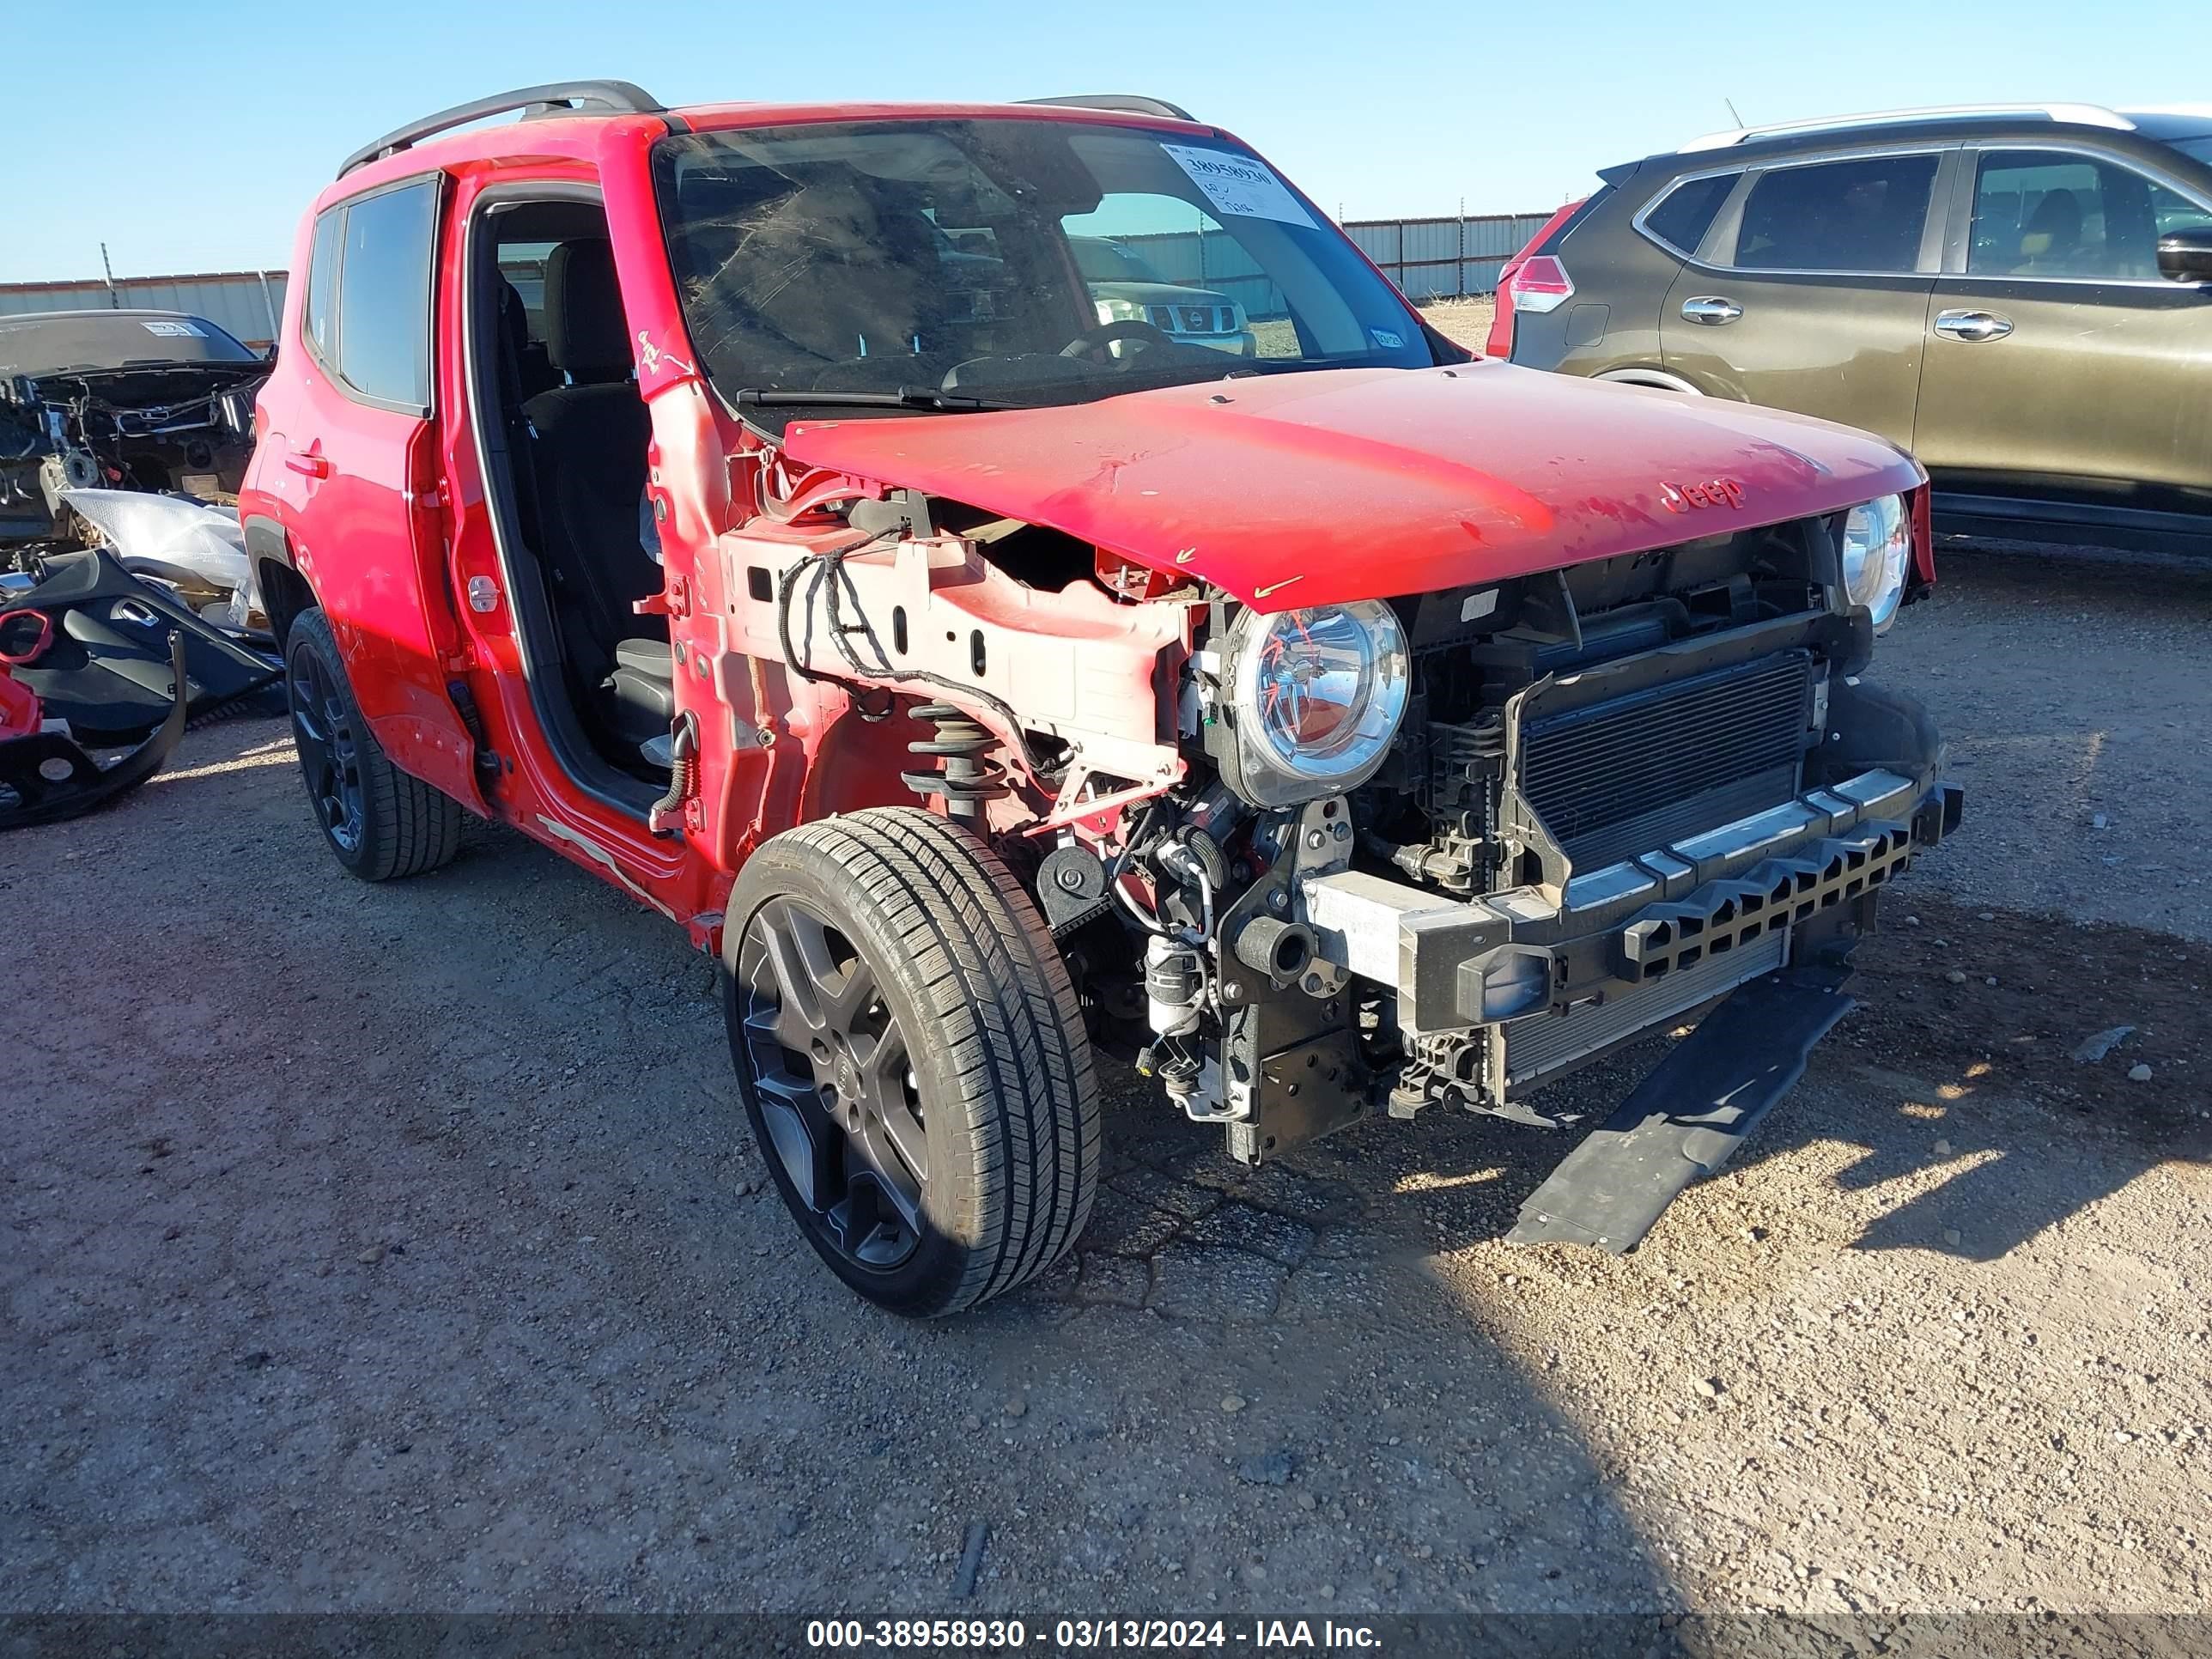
[
  {"x": 380, "y": 822},
  {"x": 924, "y": 1098}
]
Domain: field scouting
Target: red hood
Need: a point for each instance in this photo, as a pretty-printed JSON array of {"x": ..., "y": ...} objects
[{"x": 1299, "y": 489}]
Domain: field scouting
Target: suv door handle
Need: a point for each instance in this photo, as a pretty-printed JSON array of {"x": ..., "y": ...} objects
[
  {"x": 313, "y": 466},
  {"x": 1711, "y": 310},
  {"x": 1972, "y": 326}
]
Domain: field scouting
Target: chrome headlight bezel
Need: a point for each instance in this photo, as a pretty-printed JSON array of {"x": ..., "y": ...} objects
[
  {"x": 1875, "y": 557},
  {"x": 1268, "y": 767}
]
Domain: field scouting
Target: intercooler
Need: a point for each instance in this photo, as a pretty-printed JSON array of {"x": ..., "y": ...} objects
[{"x": 1632, "y": 774}]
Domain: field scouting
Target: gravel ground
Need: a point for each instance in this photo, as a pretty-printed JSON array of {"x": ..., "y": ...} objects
[
  {"x": 2073, "y": 688},
  {"x": 403, "y": 1248}
]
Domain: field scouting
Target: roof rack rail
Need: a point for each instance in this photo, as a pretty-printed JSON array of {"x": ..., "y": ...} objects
[
  {"x": 1128, "y": 103},
  {"x": 2085, "y": 115},
  {"x": 554, "y": 98}
]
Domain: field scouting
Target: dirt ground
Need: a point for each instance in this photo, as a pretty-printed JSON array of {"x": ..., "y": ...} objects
[{"x": 403, "y": 1247}]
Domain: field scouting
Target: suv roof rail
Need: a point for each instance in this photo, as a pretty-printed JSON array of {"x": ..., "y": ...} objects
[
  {"x": 554, "y": 98},
  {"x": 1128, "y": 103},
  {"x": 2086, "y": 115}
]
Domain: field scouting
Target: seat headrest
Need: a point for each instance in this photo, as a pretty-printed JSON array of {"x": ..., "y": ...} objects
[
  {"x": 513, "y": 318},
  {"x": 585, "y": 334}
]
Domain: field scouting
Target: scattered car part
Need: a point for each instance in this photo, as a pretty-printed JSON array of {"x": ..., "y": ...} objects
[
  {"x": 104, "y": 668},
  {"x": 196, "y": 548},
  {"x": 46, "y": 775},
  {"x": 139, "y": 400}
]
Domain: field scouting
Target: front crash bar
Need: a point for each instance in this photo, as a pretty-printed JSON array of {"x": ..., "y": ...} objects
[{"x": 1690, "y": 1114}]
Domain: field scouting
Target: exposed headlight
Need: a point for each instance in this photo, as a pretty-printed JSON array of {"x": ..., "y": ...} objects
[
  {"x": 1877, "y": 548},
  {"x": 1318, "y": 696}
]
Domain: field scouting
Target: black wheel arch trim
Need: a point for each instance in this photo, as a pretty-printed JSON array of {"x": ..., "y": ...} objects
[{"x": 284, "y": 592}]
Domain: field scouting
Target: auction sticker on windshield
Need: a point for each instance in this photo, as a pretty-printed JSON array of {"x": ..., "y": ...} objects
[{"x": 1241, "y": 185}]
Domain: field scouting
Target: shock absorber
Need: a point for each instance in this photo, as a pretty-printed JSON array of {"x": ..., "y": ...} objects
[{"x": 967, "y": 777}]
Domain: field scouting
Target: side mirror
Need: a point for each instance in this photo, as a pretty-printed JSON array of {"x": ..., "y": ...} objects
[{"x": 2185, "y": 256}]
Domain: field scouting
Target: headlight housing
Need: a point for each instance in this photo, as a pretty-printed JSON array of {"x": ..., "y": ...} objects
[
  {"x": 1877, "y": 551},
  {"x": 1118, "y": 311},
  {"x": 1316, "y": 698}
]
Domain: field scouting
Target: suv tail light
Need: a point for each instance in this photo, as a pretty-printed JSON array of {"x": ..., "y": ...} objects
[
  {"x": 1529, "y": 282},
  {"x": 1541, "y": 284}
]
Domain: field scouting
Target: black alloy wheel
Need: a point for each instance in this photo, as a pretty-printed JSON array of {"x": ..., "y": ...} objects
[
  {"x": 380, "y": 822},
  {"x": 839, "y": 1095},
  {"x": 330, "y": 755},
  {"x": 911, "y": 1056}
]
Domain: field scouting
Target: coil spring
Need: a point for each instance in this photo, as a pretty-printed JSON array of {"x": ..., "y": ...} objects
[{"x": 966, "y": 779}]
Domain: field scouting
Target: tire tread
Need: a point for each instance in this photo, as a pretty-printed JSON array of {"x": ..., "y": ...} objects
[
  {"x": 1005, "y": 1013},
  {"x": 412, "y": 827}
]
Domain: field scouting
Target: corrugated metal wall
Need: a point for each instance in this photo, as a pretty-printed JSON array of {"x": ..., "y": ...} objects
[
  {"x": 1444, "y": 259},
  {"x": 1428, "y": 259},
  {"x": 243, "y": 303}
]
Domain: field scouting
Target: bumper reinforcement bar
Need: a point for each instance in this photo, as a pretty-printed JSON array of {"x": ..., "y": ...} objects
[{"x": 1773, "y": 893}]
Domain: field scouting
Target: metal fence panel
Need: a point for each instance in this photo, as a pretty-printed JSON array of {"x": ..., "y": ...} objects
[
  {"x": 1444, "y": 259},
  {"x": 1431, "y": 241},
  {"x": 1382, "y": 242}
]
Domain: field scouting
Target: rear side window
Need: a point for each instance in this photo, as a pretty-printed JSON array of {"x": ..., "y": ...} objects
[
  {"x": 1864, "y": 215},
  {"x": 1683, "y": 215},
  {"x": 322, "y": 284},
  {"x": 383, "y": 295}
]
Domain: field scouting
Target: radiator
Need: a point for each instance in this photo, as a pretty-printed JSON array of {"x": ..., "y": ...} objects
[{"x": 1629, "y": 776}]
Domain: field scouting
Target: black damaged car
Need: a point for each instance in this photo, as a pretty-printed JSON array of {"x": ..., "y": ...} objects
[{"x": 153, "y": 400}]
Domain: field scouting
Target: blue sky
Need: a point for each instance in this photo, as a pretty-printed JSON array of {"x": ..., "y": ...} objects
[{"x": 189, "y": 137}]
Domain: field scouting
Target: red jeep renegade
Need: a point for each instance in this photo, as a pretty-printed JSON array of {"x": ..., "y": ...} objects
[{"x": 756, "y": 504}]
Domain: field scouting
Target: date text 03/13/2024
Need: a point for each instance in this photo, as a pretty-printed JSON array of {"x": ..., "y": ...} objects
[{"x": 1088, "y": 1635}]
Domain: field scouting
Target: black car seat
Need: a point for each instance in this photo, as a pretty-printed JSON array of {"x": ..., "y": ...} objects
[
  {"x": 2052, "y": 239},
  {"x": 528, "y": 367},
  {"x": 587, "y": 441}
]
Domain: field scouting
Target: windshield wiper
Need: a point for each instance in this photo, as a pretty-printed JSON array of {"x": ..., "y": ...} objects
[{"x": 906, "y": 397}]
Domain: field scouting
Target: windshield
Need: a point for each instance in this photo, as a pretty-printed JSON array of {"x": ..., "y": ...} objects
[
  {"x": 49, "y": 344},
  {"x": 992, "y": 257}
]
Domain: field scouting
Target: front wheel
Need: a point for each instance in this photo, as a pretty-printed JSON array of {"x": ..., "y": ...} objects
[{"x": 912, "y": 1058}]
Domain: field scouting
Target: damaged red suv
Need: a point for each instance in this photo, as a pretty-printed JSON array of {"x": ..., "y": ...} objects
[{"x": 756, "y": 505}]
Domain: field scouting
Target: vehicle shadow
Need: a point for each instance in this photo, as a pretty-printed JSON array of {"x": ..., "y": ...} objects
[{"x": 1966, "y": 1166}]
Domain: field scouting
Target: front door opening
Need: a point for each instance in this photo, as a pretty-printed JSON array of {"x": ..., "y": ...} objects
[{"x": 566, "y": 437}]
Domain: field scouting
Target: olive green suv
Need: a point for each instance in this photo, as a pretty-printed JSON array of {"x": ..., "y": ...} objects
[{"x": 2022, "y": 296}]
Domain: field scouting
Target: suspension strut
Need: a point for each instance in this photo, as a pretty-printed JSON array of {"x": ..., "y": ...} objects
[{"x": 966, "y": 779}]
